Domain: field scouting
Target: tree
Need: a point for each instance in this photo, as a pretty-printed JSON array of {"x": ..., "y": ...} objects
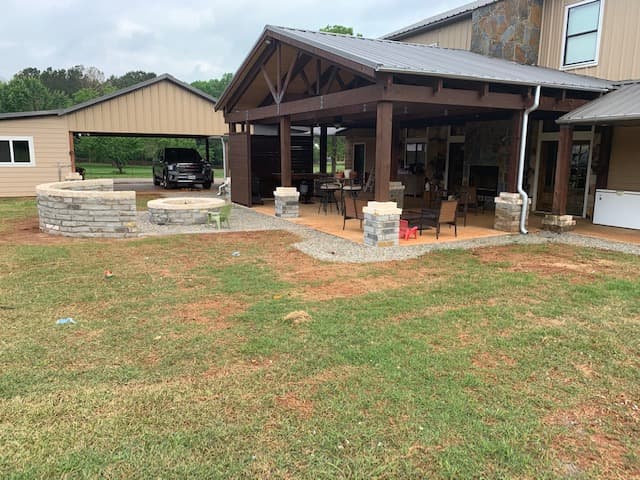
[
  {"x": 215, "y": 86},
  {"x": 130, "y": 78},
  {"x": 341, "y": 29},
  {"x": 30, "y": 94}
]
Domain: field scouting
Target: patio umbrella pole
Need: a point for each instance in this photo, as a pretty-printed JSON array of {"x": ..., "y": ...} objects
[{"x": 523, "y": 145}]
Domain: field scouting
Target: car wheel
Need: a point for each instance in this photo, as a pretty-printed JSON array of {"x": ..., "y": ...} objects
[
  {"x": 165, "y": 181},
  {"x": 206, "y": 185},
  {"x": 156, "y": 180}
]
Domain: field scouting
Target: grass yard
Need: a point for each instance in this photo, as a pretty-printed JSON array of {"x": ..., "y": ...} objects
[
  {"x": 512, "y": 362},
  {"x": 105, "y": 170}
]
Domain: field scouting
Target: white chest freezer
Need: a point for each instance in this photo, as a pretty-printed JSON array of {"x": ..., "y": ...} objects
[{"x": 617, "y": 208}]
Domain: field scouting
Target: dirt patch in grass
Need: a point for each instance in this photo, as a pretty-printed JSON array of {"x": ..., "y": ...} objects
[
  {"x": 240, "y": 368},
  {"x": 291, "y": 402},
  {"x": 484, "y": 360},
  {"x": 557, "y": 260},
  {"x": 27, "y": 232},
  {"x": 214, "y": 313},
  {"x": 589, "y": 441}
]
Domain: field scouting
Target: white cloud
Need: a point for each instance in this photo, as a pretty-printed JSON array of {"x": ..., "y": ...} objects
[{"x": 193, "y": 39}]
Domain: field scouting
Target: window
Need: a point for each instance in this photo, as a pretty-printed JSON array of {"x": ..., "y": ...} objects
[
  {"x": 582, "y": 33},
  {"x": 16, "y": 151},
  {"x": 414, "y": 159}
]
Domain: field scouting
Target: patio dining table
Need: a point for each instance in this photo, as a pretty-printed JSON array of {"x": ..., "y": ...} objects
[{"x": 328, "y": 191}]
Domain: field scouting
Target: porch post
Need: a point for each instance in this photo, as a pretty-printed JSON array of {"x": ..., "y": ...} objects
[
  {"x": 396, "y": 152},
  {"x": 285, "y": 151},
  {"x": 559, "y": 221},
  {"x": 323, "y": 149},
  {"x": 563, "y": 164},
  {"x": 384, "y": 125},
  {"x": 514, "y": 154}
]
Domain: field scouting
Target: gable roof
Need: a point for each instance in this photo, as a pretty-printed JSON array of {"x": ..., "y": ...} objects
[
  {"x": 622, "y": 105},
  {"x": 377, "y": 55},
  {"x": 431, "y": 22},
  {"x": 110, "y": 96}
]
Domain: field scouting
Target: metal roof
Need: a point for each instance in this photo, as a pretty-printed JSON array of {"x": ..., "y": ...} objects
[
  {"x": 417, "y": 59},
  {"x": 430, "y": 22},
  {"x": 622, "y": 105},
  {"x": 110, "y": 96}
]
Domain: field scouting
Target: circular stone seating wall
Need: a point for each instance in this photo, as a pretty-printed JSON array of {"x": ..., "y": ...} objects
[
  {"x": 87, "y": 208},
  {"x": 182, "y": 210}
]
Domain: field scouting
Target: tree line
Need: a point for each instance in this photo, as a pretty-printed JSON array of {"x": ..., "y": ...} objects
[{"x": 32, "y": 89}]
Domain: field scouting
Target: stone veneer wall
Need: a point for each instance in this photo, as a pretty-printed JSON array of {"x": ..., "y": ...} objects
[
  {"x": 508, "y": 29},
  {"x": 88, "y": 208}
]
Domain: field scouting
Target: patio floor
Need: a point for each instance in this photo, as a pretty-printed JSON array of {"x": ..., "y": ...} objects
[{"x": 479, "y": 225}]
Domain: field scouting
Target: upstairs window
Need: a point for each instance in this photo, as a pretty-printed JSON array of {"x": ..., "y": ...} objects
[
  {"x": 582, "y": 33},
  {"x": 16, "y": 151}
]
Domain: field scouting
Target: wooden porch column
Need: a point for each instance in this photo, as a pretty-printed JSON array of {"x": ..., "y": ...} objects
[
  {"x": 563, "y": 164},
  {"x": 323, "y": 149},
  {"x": 384, "y": 126},
  {"x": 396, "y": 153},
  {"x": 514, "y": 154},
  {"x": 285, "y": 152},
  {"x": 72, "y": 152}
]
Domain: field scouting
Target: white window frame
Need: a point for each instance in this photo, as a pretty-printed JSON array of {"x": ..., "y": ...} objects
[
  {"x": 13, "y": 163},
  {"x": 589, "y": 63}
]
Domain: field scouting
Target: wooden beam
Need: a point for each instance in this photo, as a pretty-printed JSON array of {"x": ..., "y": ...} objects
[
  {"x": 384, "y": 127},
  {"x": 307, "y": 83},
  {"x": 278, "y": 68},
  {"x": 318, "y": 103},
  {"x": 287, "y": 79},
  {"x": 272, "y": 89},
  {"x": 483, "y": 91},
  {"x": 454, "y": 97},
  {"x": 551, "y": 104},
  {"x": 318, "y": 75},
  {"x": 72, "y": 152},
  {"x": 248, "y": 78},
  {"x": 340, "y": 81},
  {"x": 285, "y": 151},
  {"x": 563, "y": 166},
  {"x": 514, "y": 151},
  {"x": 332, "y": 75},
  {"x": 323, "y": 149}
]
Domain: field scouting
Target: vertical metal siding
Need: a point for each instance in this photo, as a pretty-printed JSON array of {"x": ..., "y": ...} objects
[
  {"x": 619, "y": 39},
  {"x": 624, "y": 168},
  {"x": 51, "y": 145},
  {"x": 453, "y": 35},
  {"x": 161, "y": 108}
]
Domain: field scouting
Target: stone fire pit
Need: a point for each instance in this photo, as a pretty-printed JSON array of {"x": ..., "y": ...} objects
[{"x": 182, "y": 210}]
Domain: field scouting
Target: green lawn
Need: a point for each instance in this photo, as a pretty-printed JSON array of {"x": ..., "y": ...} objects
[
  {"x": 104, "y": 170},
  {"x": 511, "y": 362}
]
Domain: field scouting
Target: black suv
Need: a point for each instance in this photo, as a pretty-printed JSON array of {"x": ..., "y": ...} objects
[{"x": 180, "y": 167}]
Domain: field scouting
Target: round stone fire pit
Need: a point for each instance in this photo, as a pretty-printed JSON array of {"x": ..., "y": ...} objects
[{"x": 182, "y": 210}]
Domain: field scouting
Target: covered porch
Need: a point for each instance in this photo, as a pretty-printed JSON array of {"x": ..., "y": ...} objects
[{"x": 389, "y": 90}]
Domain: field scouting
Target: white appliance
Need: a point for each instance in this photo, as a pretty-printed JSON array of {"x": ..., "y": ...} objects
[{"x": 617, "y": 208}]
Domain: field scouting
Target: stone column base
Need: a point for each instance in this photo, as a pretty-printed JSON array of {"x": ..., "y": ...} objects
[
  {"x": 558, "y": 223},
  {"x": 508, "y": 211},
  {"x": 287, "y": 202},
  {"x": 381, "y": 224}
]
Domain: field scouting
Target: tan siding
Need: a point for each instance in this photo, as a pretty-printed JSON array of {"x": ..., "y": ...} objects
[
  {"x": 51, "y": 145},
  {"x": 368, "y": 137},
  {"x": 619, "y": 41},
  {"x": 624, "y": 166},
  {"x": 453, "y": 35},
  {"x": 161, "y": 108}
]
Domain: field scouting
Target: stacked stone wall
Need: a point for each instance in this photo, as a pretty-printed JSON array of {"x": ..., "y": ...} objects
[{"x": 88, "y": 208}]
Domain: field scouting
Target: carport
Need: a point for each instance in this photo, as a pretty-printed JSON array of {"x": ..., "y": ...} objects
[{"x": 37, "y": 147}]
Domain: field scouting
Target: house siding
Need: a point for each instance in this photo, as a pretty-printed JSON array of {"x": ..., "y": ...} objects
[
  {"x": 624, "y": 165},
  {"x": 162, "y": 108},
  {"x": 619, "y": 40},
  {"x": 452, "y": 35},
  {"x": 51, "y": 153}
]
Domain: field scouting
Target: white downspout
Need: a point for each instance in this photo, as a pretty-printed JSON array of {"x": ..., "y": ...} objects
[{"x": 523, "y": 145}]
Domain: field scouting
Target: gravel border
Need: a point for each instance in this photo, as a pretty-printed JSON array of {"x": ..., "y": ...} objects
[{"x": 323, "y": 246}]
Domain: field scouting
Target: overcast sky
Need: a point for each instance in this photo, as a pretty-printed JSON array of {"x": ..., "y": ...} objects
[{"x": 190, "y": 39}]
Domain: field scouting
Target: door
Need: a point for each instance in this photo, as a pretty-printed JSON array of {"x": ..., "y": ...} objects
[
  {"x": 547, "y": 175},
  {"x": 359, "y": 156},
  {"x": 578, "y": 177},
  {"x": 578, "y": 173}
]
